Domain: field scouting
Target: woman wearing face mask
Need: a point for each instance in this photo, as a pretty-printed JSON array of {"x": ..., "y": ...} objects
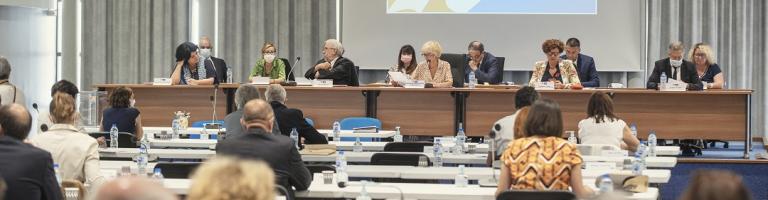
[
  {"x": 406, "y": 62},
  {"x": 269, "y": 66},
  {"x": 706, "y": 67},
  {"x": 122, "y": 114},
  {"x": 188, "y": 70}
]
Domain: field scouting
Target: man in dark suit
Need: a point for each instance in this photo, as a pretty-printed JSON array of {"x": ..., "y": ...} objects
[
  {"x": 27, "y": 170},
  {"x": 260, "y": 144},
  {"x": 206, "y": 53},
  {"x": 483, "y": 63},
  {"x": 289, "y": 118},
  {"x": 333, "y": 66},
  {"x": 584, "y": 64},
  {"x": 675, "y": 68}
]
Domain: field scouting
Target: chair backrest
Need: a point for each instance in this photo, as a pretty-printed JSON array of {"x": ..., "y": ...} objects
[
  {"x": 283, "y": 179},
  {"x": 406, "y": 146},
  {"x": 595, "y": 149},
  {"x": 319, "y": 168},
  {"x": 73, "y": 190},
  {"x": 177, "y": 169},
  {"x": 406, "y": 159},
  {"x": 350, "y": 123},
  {"x": 458, "y": 64},
  {"x": 288, "y": 68},
  {"x": 500, "y": 75},
  {"x": 124, "y": 139},
  {"x": 309, "y": 121},
  {"x": 283, "y": 191},
  {"x": 536, "y": 195}
]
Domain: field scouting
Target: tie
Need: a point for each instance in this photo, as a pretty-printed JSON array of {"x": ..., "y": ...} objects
[{"x": 674, "y": 73}]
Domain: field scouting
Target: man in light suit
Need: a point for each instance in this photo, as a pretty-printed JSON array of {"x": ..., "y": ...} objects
[{"x": 584, "y": 64}]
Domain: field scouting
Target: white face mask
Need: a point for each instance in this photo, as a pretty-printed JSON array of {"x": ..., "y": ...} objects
[
  {"x": 133, "y": 103},
  {"x": 269, "y": 57},
  {"x": 205, "y": 53},
  {"x": 406, "y": 59},
  {"x": 676, "y": 63}
]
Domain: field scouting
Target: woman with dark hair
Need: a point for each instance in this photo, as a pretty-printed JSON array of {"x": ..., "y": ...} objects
[
  {"x": 188, "y": 69},
  {"x": 602, "y": 126},
  {"x": 560, "y": 71},
  {"x": 122, "y": 113},
  {"x": 406, "y": 62},
  {"x": 543, "y": 160}
]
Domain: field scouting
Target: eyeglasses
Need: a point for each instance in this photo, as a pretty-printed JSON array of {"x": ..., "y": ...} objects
[
  {"x": 427, "y": 54},
  {"x": 553, "y": 53},
  {"x": 700, "y": 55}
]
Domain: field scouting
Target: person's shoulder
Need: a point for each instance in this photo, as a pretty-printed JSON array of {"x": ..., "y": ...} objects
[
  {"x": 540, "y": 64},
  {"x": 236, "y": 114},
  {"x": 444, "y": 63},
  {"x": 661, "y": 61},
  {"x": 345, "y": 60},
  {"x": 585, "y": 57}
]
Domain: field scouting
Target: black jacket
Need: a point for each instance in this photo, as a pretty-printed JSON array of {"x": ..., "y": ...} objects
[
  {"x": 687, "y": 73},
  {"x": 288, "y": 118},
  {"x": 276, "y": 150},
  {"x": 27, "y": 170},
  {"x": 342, "y": 72},
  {"x": 221, "y": 69}
]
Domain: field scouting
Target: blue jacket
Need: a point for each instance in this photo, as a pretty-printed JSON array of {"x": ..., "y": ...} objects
[
  {"x": 488, "y": 71},
  {"x": 587, "y": 72}
]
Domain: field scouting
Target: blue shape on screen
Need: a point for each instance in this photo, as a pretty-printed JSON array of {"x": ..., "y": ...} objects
[{"x": 536, "y": 6}]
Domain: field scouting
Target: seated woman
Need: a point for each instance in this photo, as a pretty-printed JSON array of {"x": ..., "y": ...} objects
[
  {"x": 123, "y": 114},
  {"x": 561, "y": 72},
  {"x": 76, "y": 153},
  {"x": 223, "y": 178},
  {"x": 528, "y": 162},
  {"x": 269, "y": 66},
  {"x": 406, "y": 63},
  {"x": 602, "y": 126},
  {"x": 433, "y": 70},
  {"x": 189, "y": 70},
  {"x": 707, "y": 70}
]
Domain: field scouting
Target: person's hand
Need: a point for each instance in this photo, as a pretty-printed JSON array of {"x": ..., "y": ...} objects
[
  {"x": 559, "y": 85},
  {"x": 101, "y": 140},
  {"x": 473, "y": 64},
  {"x": 323, "y": 66},
  {"x": 193, "y": 82}
]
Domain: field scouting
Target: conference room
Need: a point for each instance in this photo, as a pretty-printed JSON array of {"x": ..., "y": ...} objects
[{"x": 383, "y": 99}]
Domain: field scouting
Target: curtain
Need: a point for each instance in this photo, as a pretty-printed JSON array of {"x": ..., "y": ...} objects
[
  {"x": 296, "y": 27},
  {"x": 736, "y": 30},
  {"x": 131, "y": 41}
]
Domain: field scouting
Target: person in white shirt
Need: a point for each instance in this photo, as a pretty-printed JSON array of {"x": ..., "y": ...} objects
[
  {"x": 76, "y": 153},
  {"x": 505, "y": 127},
  {"x": 9, "y": 93},
  {"x": 602, "y": 126}
]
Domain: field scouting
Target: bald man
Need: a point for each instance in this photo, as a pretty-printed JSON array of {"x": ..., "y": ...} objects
[
  {"x": 27, "y": 170},
  {"x": 133, "y": 188},
  {"x": 257, "y": 142},
  {"x": 206, "y": 54}
]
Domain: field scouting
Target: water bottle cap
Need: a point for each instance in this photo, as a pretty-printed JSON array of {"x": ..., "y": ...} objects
[{"x": 158, "y": 170}]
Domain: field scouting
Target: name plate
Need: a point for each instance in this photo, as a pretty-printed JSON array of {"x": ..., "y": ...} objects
[
  {"x": 322, "y": 83},
  {"x": 161, "y": 81},
  {"x": 615, "y": 153},
  {"x": 676, "y": 86},
  {"x": 260, "y": 80},
  {"x": 415, "y": 84},
  {"x": 545, "y": 85},
  {"x": 601, "y": 166}
]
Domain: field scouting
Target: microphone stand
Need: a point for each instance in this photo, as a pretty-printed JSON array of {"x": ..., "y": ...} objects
[
  {"x": 214, "y": 100},
  {"x": 493, "y": 181}
]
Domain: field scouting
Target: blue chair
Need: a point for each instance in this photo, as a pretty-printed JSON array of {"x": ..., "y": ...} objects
[
  {"x": 201, "y": 124},
  {"x": 350, "y": 123},
  {"x": 309, "y": 121}
]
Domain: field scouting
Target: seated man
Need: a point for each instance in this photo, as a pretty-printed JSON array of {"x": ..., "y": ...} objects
[
  {"x": 585, "y": 65},
  {"x": 289, "y": 118},
  {"x": 27, "y": 170},
  {"x": 244, "y": 93},
  {"x": 675, "y": 68},
  {"x": 333, "y": 66},
  {"x": 260, "y": 144},
  {"x": 206, "y": 55},
  {"x": 9, "y": 93},
  {"x": 505, "y": 127},
  {"x": 483, "y": 63}
]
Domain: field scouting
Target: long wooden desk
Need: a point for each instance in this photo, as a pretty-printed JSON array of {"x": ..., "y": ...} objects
[{"x": 711, "y": 114}]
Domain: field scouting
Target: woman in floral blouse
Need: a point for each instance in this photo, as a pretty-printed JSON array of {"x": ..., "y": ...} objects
[{"x": 554, "y": 69}]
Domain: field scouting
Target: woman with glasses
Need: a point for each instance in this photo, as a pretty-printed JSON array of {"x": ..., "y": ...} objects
[
  {"x": 561, "y": 72},
  {"x": 269, "y": 65},
  {"x": 707, "y": 69},
  {"x": 433, "y": 70}
]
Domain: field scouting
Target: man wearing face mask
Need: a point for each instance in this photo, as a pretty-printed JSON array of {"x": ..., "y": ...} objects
[
  {"x": 206, "y": 55},
  {"x": 269, "y": 65},
  {"x": 675, "y": 68},
  {"x": 483, "y": 63}
]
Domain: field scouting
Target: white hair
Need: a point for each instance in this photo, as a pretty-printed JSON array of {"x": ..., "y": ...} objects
[
  {"x": 336, "y": 45},
  {"x": 275, "y": 92},
  {"x": 245, "y": 93},
  {"x": 676, "y": 46}
]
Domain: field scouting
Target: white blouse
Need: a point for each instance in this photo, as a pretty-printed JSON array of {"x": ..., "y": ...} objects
[{"x": 610, "y": 132}]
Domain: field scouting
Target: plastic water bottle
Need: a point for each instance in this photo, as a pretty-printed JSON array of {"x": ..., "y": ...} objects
[
  {"x": 633, "y": 128},
  {"x": 606, "y": 185},
  {"x": 461, "y": 180},
  {"x": 113, "y": 135},
  {"x": 461, "y": 138},
  {"x": 143, "y": 155},
  {"x": 158, "y": 176},
  {"x": 652, "y": 142},
  {"x": 57, "y": 172},
  {"x": 637, "y": 165},
  {"x": 229, "y": 75},
  {"x": 572, "y": 138},
  {"x": 363, "y": 192},
  {"x": 398, "y": 137},
  {"x": 295, "y": 137},
  {"x": 341, "y": 168},
  {"x": 336, "y": 135},
  {"x": 664, "y": 77},
  {"x": 176, "y": 126},
  {"x": 438, "y": 153},
  {"x": 358, "y": 145},
  {"x": 472, "y": 80}
]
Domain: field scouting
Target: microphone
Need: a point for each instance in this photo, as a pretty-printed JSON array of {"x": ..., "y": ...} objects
[
  {"x": 365, "y": 183},
  {"x": 493, "y": 181},
  {"x": 43, "y": 127},
  {"x": 288, "y": 82}
]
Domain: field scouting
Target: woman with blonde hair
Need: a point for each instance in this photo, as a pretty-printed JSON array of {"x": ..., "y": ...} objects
[
  {"x": 75, "y": 152},
  {"x": 433, "y": 70},
  {"x": 706, "y": 66},
  {"x": 269, "y": 65},
  {"x": 227, "y": 178}
]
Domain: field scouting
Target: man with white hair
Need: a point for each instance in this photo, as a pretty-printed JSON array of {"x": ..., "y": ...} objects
[
  {"x": 9, "y": 93},
  {"x": 674, "y": 67},
  {"x": 334, "y": 66},
  {"x": 244, "y": 93},
  {"x": 290, "y": 118}
]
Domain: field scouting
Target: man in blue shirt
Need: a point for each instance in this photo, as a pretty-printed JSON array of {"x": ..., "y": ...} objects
[
  {"x": 484, "y": 64},
  {"x": 585, "y": 65}
]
